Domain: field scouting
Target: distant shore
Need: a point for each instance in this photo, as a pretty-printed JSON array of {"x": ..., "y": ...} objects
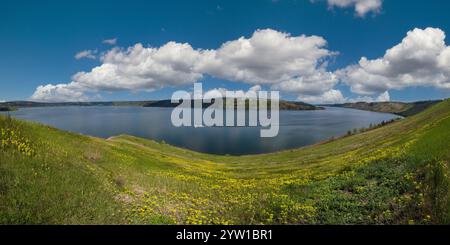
[
  {"x": 284, "y": 105},
  {"x": 7, "y": 108}
]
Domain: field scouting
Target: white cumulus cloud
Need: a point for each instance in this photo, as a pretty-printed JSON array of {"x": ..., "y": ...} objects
[
  {"x": 384, "y": 97},
  {"x": 295, "y": 64},
  {"x": 143, "y": 68},
  {"x": 221, "y": 92},
  {"x": 332, "y": 96},
  {"x": 421, "y": 59},
  {"x": 314, "y": 85},
  {"x": 59, "y": 93},
  {"x": 292, "y": 64},
  {"x": 267, "y": 57}
]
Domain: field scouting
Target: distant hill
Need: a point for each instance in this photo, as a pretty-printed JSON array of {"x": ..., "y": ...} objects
[
  {"x": 18, "y": 104},
  {"x": 284, "y": 105},
  {"x": 399, "y": 108}
]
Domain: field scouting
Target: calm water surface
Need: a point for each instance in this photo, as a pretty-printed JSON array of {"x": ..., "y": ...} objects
[{"x": 297, "y": 128}]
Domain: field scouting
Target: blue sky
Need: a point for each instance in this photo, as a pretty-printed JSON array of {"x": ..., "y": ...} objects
[{"x": 39, "y": 41}]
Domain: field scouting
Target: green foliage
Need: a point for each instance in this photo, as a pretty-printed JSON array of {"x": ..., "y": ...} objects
[
  {"x": 437, "y": 186},
  {"x": 399, "y": 108}
]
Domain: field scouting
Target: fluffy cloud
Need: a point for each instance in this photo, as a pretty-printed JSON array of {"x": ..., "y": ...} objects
[
  {"x": 292, "y": 64},
  {"x": 286, "y": 63},
  {"x": 362, "y": 7},
  {"x": 215, "y": 93},
  {"x": 255, "y": 88},
  {"x": 315, "y": 84},
  {"x": 384, "y": 97},
  {"x": 221, "y": 92},
  {"x": 295, "y": 64},
  {"x": 329, "y": 97},
  {"x": 335, "y": 97},
  {"x": 89, "y": 54},
  {"x": 421, "y": 59},
  {"x": 140, "y": 68},
  {"x": 267, "y": 57},
  {"x": 58, "y": 93},
  {"x": 134, "y": 69},
  {"x": 111, "y": 41}
]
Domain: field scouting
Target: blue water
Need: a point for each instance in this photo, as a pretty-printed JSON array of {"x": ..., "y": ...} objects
[{"x": 297, "y": 128}]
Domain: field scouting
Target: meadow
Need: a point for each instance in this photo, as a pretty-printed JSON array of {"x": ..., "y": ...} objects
[{"x": 395, "y": 174}]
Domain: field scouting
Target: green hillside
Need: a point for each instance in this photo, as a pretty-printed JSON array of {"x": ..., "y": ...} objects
[
  {"x": 399, "y": 108},
  {"x": 396, "y": 174}
]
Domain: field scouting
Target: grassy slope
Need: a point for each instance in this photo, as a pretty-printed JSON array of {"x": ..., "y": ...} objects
[
  {"x": 388, "y": 107},
  {"x": 390, "y": 175},
  {"x": 399, "y": 108}
]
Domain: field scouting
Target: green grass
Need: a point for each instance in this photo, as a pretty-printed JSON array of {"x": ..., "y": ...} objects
[
  {"x": 396, "y": 174},
  {"x": 399, "y": 108}
]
